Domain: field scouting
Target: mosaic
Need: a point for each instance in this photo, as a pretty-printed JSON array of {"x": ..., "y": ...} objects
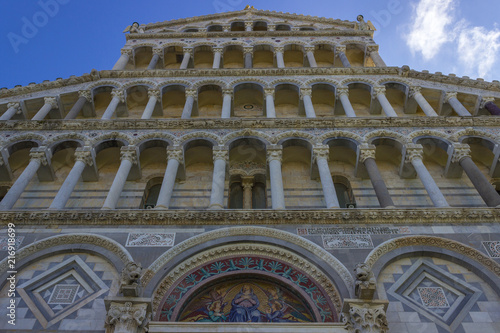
[
  {"x": 247, "y": 265},
  {"x": 331, "y": 242},
  {"x": 150, "y": 239},
  {"x": 433, "y": 297},
  {"x": 353, "y": 231},
  {"x": 4, "y": 242},
  {"x": 493, "y": 249},
  {"x": 246, "y": 301},
  {"x": 64, "y": 294}
]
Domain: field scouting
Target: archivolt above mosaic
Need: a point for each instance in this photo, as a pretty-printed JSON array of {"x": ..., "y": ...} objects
[{"x": 246, "y": 301}]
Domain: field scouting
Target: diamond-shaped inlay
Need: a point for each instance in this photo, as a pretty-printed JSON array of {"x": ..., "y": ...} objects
[
  {"x": 64, "y": 294},
  {"x": 493, "y": 248},
  {"x": 433, "y": 297}
]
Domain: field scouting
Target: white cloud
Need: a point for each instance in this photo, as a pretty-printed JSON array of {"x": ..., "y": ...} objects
[
  {"x": 478, "y": 49},
  {"x": 431, "y": 28}
]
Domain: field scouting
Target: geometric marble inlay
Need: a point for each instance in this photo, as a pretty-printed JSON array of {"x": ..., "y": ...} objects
[
  {"x": 64, "y": 294},
  {"x": 493, "y": 248},
  {"x": 435, "y": 293},
  {"x": 150, "y": 239},
  {"x": 433, "y": 297},
  {"x": 331, "y": 242},
  {"x": 4, "y": 242},
  {"x": 61, "y": 290}
]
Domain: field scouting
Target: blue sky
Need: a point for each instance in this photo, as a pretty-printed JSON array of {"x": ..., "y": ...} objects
[{"x": 71, "y": 37}]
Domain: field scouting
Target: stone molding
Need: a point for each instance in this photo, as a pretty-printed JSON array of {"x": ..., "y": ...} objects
[
  {"x": 427, "y": 241},
  {"x": 270, "y": 251},
  {"x": 87, "y": 94}
]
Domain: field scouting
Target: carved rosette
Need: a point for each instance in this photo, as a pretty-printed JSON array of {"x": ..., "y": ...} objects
[
  {"x": 366, "y": 318},
  {"x": 154, "y": 93},
  {"x": 87, "y": 94},
  {"x": 366, "y": 152},
  {"x": 52, "y": 101},
  {"x": 118, "y": 94},
  {"x": 174, "y": 154},
  {"x": 460, "y": 151},
  {"x": 85, "y": 156},
  {"x": 220, "y": 154},
  {"x": 129, "y": 153},
  {"x": 449, "y": 95},
  {"x": 127, "y": 317},
  {"x": 342, "y": 91},
  {"x": 321, "y": 152}
]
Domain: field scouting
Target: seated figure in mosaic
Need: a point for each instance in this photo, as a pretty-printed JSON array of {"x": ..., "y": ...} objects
[{"x": 244, "y": 307}]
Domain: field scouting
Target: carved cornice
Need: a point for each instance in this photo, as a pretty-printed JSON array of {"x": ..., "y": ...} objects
[{"x": 429, "y": 216}]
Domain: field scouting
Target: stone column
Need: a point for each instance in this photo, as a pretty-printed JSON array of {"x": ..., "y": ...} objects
[
  {"x": 38, "y": 156},
  {"x": 84, "y": 96},
  {"x": 157, "y": 55},
  {"x": 414, "y": 155},
  {"x": 280, "y": 61},
  {"x": 220, "y": 156},
  {"x": 274, "y": 154},
  {"x": 379, "y": 92},
  {"x": 174, "y": 156},
  {"x": 50, "y": 103},
  {"x": 187, "y": 55},
  {"x": 12, "y": 109},
  {"x": 247, "y": 184},
  {"x": 488, "y": 104},
  {"x": 123, "y": 61},
  {"x": 340, "y": 51},
  {"x": 226, "y": 103},
  {"x": 217, "y": 57},
  {"x": 128, "y": 317},
  {"x": 128, "y": 157},
  {"x": 343, "y": 95},
  {"x": 248, "y": 54},
  {"x": 310, "y": 57},
  {"x": 248, "y": 26},
  {"x": 415, "y": 92},
  {"x": 83, "y": 157},
  {"x": 321, "y": 155},
  {"x": 308, "y": 105},
  {"x": 188, "y": 106},
  {"x": 372, "y": 51},
  {"x": 118, "y": 97},
  {"x": 270, "y": 110},
  {"x": 461, "y": 154},
  {"x": 154, "y": 97},
  {"x": 451, "y": 98},
  {"x": 367, "y": 157}
]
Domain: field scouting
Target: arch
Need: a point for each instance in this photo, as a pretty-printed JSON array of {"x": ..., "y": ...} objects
[
  {"x": 201, "y": 83},
  {"x": 255, "y": 80},
  {"x": 34, "y": 137},
  {"x": 66, "y": 136},
  {"x": 168, "y": 44},
  {"x": 203, "y": 43},
  {"x": 414, "y": 136},
  {"x": 326, "y": 137},
  {"x": 145, "y": 44},
  {"x": 404, "y": 82},
  {"x": 348, "y": 81},
  {"x": 458, "y": 135},
  {"x": 125, "y": 139},
  {"x": 352, "y": 41},
  {"x": 292, "y": 42},
  {"x": 311, "y": 82},
  {"x": 272, "y": 44},
  {"x": 104, "y": 83},
  {"x": 370, "y": 136},
  {"x": 227, "y": 139},
  {"x": 162, "y": 136},
  {"x": 282, "y": 137},
  {"x": 299, "y": 84},
  {"x": 233, "y": 43},
  {"x": 210, "y": 137},
  {"x": 184, "y": 83},
  {"x": 323, "y": 41},
  {"x": 149, "y": 84}
]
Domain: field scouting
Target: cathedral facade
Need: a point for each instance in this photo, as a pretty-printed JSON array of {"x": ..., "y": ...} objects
[{"x": 250, "y": 171}]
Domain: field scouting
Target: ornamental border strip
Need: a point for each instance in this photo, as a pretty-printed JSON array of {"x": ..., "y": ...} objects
[{"x": 456, "y": 216}]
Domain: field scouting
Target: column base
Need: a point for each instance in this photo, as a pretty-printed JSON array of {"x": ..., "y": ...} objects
[
  {"x": 215, "y": 207},
  {"x": 390, "y": 207},
  {"x": 161, "y": 207}
]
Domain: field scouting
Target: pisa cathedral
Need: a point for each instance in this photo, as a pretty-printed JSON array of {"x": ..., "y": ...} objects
[{"x": 250, "y": 171}]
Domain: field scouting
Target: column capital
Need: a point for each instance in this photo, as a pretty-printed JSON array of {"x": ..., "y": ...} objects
[
  {"x": 279, "y": 49},
  {"x": 158, "y": 52},
  {"x": 218, "y": 49},
  {"x": 413, "y": 152},
  {"x": 321, "y": 152},
  {"x": 227, "y": 92},
  {"x": 247, "y": 182},
  {"x": 175, "y": 153},
  {"x": 40, "y": 153},
  {"x": 269, "y": 92},
  {"x": 274, "y": 153},
  {"x": 129, "y": 153},
  {"x": 127, "y": 52},
  {"x": 220, "y": 153},
  {"x": 154, "y": 93},
  {"x": 309, "y": 48},
  {"x": 415, "y": 90},
  {"x": 305, "y": 92},
  {"x": 449, "y": 95},
  {"x": 187, "y": 50},
  {"x": 248, "y": 49},
  {"x": 126, "y": 317},
  {"x": 371, "y": 48},
  {"x": 249, "y": 25},
  {"x": 192, "y": 93},
  {"x": 460, "y": 151},
  {"x": 342, "y": 91},
  {"x": 365, "y": 316},
  {"x": 340, "y": 48},
  {"x": 15, "y": 105},
  {"x": 87, "y": 94},
  {"x": 486, "y": 99},
  {"x": 84, "y": 154},
  {"x": 52, "y": 101},
  {"x": 378, "y": 91},
  {"x": 271, "y": 27},
  {"x": 118, "y": 94},
  {"x": 366, "y": 151},
  {"x": 226, "y": 27}
]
